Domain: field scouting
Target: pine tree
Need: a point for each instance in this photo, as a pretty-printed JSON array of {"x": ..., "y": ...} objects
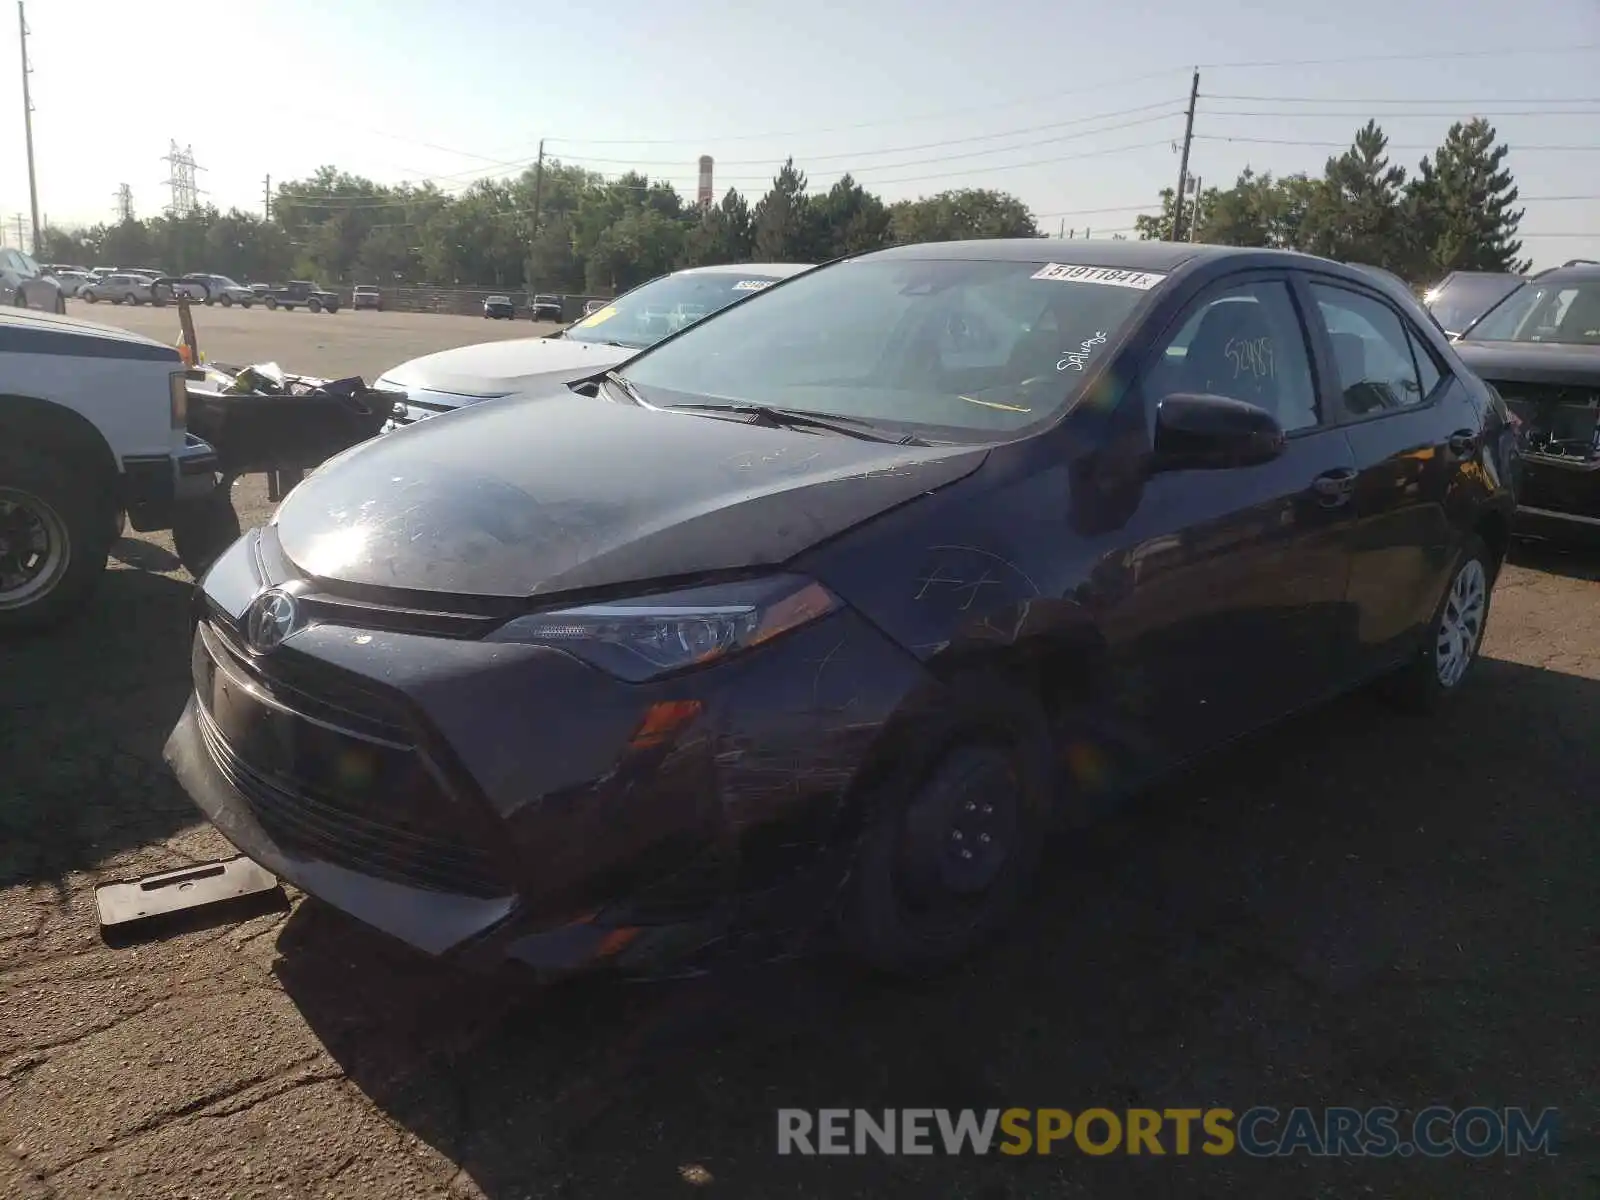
[
  {"x": 1461, "y": 205},
  {"x": 1356, "y": 214}
]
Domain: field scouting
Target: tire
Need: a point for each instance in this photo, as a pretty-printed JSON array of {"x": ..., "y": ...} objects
[
  {"x": 1455, "y": 635},
  {"x": 272, "y": 303},
  {"x": 43, "y": 498},
  {"x": 91, "y": 298},
  {"x": 203, "y": 529},
  {"x": 246, "y": 303},
  {"x": 314, "y": 304},
  {"x": 957, "y": 827},
  {"x": 226, "y": 301},
  {"x": 128, "y": 298}
]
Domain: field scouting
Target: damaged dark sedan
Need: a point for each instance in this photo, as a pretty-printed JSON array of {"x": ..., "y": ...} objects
[
  {"x": 821, "y": 612},
  {"x": 1540, "y": 349}
]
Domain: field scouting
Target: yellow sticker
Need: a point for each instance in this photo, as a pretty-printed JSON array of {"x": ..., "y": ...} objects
[
  {"x": 995, "y": 404},
  {"x": 599, "y": 315}
]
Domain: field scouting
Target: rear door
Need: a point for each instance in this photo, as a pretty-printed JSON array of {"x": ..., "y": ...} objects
[{"x": 1412, "y": 427}]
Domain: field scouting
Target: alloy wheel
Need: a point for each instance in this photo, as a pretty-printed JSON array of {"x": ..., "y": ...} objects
[{"x": 1461, "y": 623}]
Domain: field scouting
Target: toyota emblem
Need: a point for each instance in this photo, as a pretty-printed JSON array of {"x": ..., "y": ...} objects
[{"x": 273, "y": 616}]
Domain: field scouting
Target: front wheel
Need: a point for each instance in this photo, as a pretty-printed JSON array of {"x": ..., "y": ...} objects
[
  {"x": 1454, "y": 637},
  {"x": 54, "y": 539},
  {"x": 90, "y": 297},
  {"x": 314, "y": 304},
  {"x": 952, "y": 838},
  {"x": 203, "y": 529},
  {"x": 272, "y": 303}
]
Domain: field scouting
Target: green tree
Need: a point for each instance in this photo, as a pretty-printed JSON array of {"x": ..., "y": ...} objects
[
  {"x": 848, "y": 219},
  {"x": 1461, "y": 206},
  {"x": 1356, "y": 214},
  {"x": 723, "y": 234},
  {"x": 640, "y": 246},
  {"x": 965, "y": 213},
  {"x": 782, "y": 226}
]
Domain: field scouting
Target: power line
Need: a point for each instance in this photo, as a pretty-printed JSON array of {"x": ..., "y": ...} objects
[
  {"x": 1400, "y": 100},
  {"x": 1345, "y": 145},
  {"x": 1432, "y": 56},
  {"x": 981, "y": 137},
  {"x": 1359, "y": 114}
]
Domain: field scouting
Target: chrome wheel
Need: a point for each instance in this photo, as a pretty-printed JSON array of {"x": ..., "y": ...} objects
[
  {"x": 1461, "y": 623},
  {"x": 35, "y": 549}
]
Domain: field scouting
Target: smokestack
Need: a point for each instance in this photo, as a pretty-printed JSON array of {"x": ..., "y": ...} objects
[{"x": 705, "y": 181}]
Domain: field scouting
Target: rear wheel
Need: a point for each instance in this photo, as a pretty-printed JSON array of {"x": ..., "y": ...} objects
[
  {"x": 952, "y": 840},
  {"x": 1455, "y": 636},
  {"x": 226, "y": 301},
  {"x": 54, "y": 539}
]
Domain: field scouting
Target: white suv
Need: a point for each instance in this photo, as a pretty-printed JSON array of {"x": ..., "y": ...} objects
[{"x": 92, "y": 431}]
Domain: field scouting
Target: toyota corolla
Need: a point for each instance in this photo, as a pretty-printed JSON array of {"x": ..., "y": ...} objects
[{"x": 830, "y": 605}]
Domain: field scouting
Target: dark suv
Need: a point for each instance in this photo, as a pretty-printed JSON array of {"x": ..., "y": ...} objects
[{"x": 299, "y": 292}]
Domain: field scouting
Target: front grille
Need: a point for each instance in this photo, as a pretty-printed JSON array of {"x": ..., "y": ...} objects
[{"x": 333, "y": 784}]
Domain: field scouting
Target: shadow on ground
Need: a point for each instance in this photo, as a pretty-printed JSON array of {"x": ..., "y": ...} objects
[
  {"x": 84, "y": 712},
  {"x": 1574, "y": 562},
  {"x": 146, "y": 556},
  {"x": 1362, "y": 908}
]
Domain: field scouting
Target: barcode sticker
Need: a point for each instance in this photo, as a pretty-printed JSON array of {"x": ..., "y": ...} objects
[{"x": 1106, "y": 276}]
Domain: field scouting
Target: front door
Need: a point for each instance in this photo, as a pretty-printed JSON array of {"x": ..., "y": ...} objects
[{"x": 1223, "y": 599}]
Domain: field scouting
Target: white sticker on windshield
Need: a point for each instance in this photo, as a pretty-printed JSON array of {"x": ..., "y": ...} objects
[
  {"x": 751, "y": 285},
  {"x": 1108, "y": 276}
]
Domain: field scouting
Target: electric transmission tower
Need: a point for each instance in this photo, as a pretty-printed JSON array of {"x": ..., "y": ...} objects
[
  {"x": 185, "y": 192},
  {"x": 124, "y": 203}
]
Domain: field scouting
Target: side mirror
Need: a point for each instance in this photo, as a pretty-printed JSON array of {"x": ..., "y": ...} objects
[{"x": 1197, "y": 431}]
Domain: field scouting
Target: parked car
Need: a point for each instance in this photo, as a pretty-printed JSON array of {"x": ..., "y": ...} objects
[
  {"x": 63, "y": 268},
  {"x": 217, "y": 289},
  {"x": 440, "y": 382},
  {"x": 546, "y": 308},
  {"x": 499, "y": 307},
  {"x": 1461, "y": 297},
  {"x": 366, "y": 296},
  {"x": 298, "y": 292},
  {"x": 91, "y": 434},
  {"x": 24, "y": 285},
  {"x": 1540, "y": 349},
  {"x": 261, "y": 290},
  {"x": 70, "y": 281},
  {"x": 835, "y": 601},
  {"x": 118, "y": 289}
]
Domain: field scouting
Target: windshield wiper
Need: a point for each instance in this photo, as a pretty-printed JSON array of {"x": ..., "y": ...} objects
[
  {"x": 623, "y": 386},
  {"x": 795, "y": 418}
]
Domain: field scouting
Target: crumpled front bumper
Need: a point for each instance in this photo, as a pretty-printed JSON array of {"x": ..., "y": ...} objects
[{"x": 604, "y": 822}]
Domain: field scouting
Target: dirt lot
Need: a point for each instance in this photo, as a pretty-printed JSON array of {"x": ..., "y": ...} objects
[
  {"x": 337, "y": 344},
  {"x": 1357, "y": 909}
]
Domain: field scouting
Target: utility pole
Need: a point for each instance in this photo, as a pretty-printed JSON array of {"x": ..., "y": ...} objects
[
  {"x": 21, "y": 245},
  {"x": 538, "y": 187},
  {"x": 1194, "y": 216},
  {"x": 124, "y": 204},
  {"x": 27, "y": 124},
  {"x": 1183, "y": 163},
  {"x": 266, "y": 197},
  {"x": 185, "y": 192}
]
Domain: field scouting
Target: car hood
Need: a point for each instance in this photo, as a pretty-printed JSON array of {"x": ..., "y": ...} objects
[
  {"x": 1531, "y": 362},
  {"x": 501, "y": 368},
  {"x": 20, "y": 322},
  {"x": 557, "y": 492}
]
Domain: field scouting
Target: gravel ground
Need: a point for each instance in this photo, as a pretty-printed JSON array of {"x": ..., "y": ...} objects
[{"x": 1358, "y": 908}]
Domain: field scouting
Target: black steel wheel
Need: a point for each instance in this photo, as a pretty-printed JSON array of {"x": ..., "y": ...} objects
[
  {"x": 952, "y": 840},
  {"x": 54, "y": 539}
]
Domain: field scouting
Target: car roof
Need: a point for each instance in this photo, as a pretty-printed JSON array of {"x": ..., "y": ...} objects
[
  {"x": 1577, "y": 273},
  {"x": 776, "y": 269}
]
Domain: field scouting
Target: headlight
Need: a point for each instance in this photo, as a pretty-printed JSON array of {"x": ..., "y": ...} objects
[{"x": 648, "y": 636}]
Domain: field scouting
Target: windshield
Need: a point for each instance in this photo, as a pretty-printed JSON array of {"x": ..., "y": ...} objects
[
  {"x": 651, "y": 311},
  {"x": 1462, "y": 299},
  {"x": 1564, "y": 312},
  {"x": 958, "y": 349},
  {"x": 224, "y": 281}
]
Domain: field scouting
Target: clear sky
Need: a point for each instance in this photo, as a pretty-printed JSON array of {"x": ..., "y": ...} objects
[{"x": 1075, "y": 107}]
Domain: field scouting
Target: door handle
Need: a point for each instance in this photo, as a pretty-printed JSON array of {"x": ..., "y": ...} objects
[
  {"x": 1463, "y": 441},
  {"x": 1335, "y": 487}
]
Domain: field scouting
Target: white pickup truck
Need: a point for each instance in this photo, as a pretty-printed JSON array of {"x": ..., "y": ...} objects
[{"x": 92, "y": 432}]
